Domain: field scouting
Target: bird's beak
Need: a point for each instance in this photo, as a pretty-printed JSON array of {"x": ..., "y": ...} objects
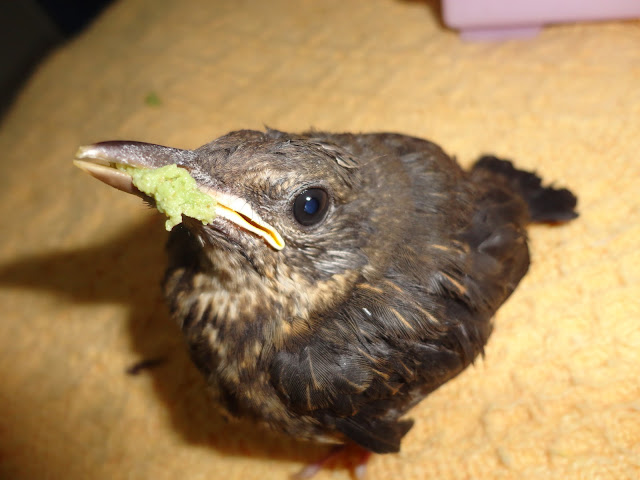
[{"x": 100, "y": 160}]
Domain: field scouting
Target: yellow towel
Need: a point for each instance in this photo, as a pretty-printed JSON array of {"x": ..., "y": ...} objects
[{"x": 558, "y": 393}]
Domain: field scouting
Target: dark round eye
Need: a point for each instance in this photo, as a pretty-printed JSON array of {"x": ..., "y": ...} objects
[{"x": 310, "y": 206}]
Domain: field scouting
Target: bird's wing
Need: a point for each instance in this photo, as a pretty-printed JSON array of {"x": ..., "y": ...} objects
[{"x": 375, "y": 359}]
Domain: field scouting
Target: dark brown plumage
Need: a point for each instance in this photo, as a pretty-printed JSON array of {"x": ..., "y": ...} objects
[{"x": 395, "y": 260}]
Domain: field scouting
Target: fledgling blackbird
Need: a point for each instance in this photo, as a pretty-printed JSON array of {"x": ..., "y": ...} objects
[{"x": 345, "y": 277}]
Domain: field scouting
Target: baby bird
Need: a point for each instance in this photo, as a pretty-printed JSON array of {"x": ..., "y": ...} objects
[{"x": 345, "y": 276}]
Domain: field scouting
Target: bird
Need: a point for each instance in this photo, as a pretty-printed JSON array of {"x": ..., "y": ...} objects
[{"x": 345, "y": 277}]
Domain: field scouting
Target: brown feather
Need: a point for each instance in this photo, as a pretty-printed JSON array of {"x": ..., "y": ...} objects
[{"x": 336, "y": 337}]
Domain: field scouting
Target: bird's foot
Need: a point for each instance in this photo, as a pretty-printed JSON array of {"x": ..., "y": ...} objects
[{"x": 353, "y": 456}]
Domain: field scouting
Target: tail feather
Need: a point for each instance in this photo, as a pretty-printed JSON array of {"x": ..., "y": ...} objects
[{"x": 546, "y": 203}]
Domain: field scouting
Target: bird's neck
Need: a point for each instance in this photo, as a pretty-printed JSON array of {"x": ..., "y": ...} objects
[{"x": 242, "y": 308}]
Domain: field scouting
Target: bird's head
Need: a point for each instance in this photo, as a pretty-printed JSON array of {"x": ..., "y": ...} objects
[{"x": 298, "y": 219}]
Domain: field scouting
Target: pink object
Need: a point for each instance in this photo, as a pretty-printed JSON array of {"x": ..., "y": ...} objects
[{"x": 492, "y": 19}]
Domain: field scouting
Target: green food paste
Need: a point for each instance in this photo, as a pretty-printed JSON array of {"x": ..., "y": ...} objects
[{"x": 175, "y": 193}]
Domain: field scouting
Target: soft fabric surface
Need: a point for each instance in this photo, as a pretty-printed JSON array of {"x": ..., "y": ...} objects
[{"x": 557, "y": 395}]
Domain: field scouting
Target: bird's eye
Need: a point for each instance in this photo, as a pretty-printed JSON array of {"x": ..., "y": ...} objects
[{"x": 310, "y": 206}]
